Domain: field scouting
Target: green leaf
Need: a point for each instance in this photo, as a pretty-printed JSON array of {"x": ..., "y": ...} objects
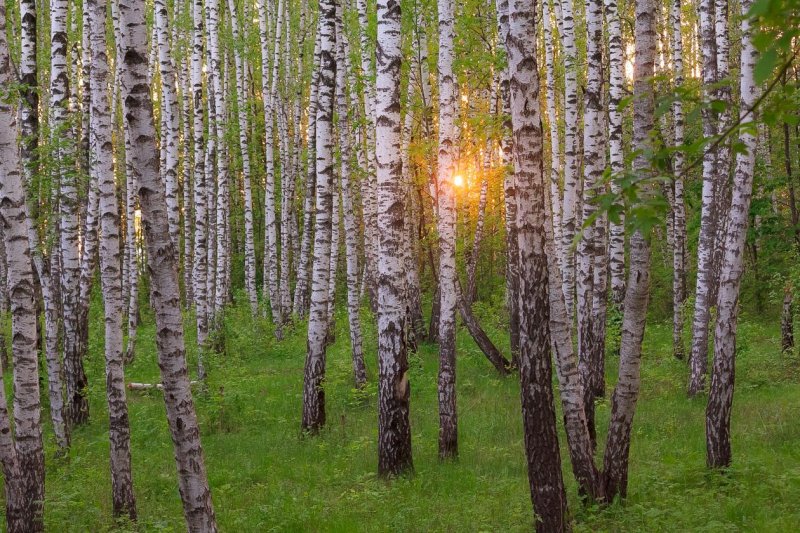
[{"x": 765, "y": 66}]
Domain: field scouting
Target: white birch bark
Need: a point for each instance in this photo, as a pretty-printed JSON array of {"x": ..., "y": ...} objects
[
  {"x": 351, "y": 235},
  {"x": 720, "y": 399},
  {"x": 200, "y": 277},
  {"x": 313, "y": 383},
  {"x": 23, "y": 457},
  {"x": 269, "y": 90},
  {"x": 626, "y": 393},
  {"x": 569, "y": 213},
  {"x": 301, "y": 294},
  {"x": 241, "y": 96},
  {"x": 446, "y": 222},
  {"x": 678, "y": 205},
  {"x": 616, "y": 92},
  {"x": 77, "y": 405},
  {"x": 705, "y": 248},
  {"x": 102, "y": 166},
  {"x": 394, "y": 428},
  {"x": 162, "y": 262}
]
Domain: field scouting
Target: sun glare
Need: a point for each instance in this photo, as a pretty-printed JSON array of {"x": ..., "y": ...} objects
[{"x": 458, "y": 180}]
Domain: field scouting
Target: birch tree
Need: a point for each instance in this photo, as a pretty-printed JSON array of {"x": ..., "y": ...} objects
[
  {"x": 446, "y": 218},
  {"x": 313, "y": 382},
  {"x": 77, "y": 407},
  {"x": 708, "y": 215},
  {"x": 720, "y": 399},
  {"x": 21, "y": 450},
  {"x": 394, "y": 390},
  {"x": 102, "y": 165},
  {"x": 538, "y": 412},
  {"x": 626, "y": 392},
  {"x": 162, "y": 262}
]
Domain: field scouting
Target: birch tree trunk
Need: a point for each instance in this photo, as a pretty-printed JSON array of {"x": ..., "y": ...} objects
[
  {"x": 169, "y": 119},
  {"x": 313, "y": 383},
  {"x": 705, "y": 249},
  {"x": 162, "y": 262},
  {"x": 592, "y": 360},
  {"x": 348, "y": 207},
  {"x": 241, "y": 96},
  {"x": 616, "y": 92},
  {"x": 569, "y": 214},
  {"x": 369, "y": 188},
  {"x": 552, "y": 121},
  {"x": 538, "y": 412},
  {"x": 102, "y": 166},
  {"x": 509, "y": 196},
  {"x": 623, "y": 401},
  {"x": 446, "y": 218},
  {"x": 23, "y": 457},
  {"x": 77, "y": 404},
  {"x": 269, "y": 93},
  {"x": 720, "y": 398},
  {"x": 679, "y": 207},
  {"x": 787, "y": 321},
  {"x": 394, "y": 391},
  {"x": 200, "y": 289},
  {"x": 301, "y": 295}
]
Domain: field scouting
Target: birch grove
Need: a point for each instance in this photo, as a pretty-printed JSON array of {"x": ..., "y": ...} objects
[{"x": 200, "y": 198}]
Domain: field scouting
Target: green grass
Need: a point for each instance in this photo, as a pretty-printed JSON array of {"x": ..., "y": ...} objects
[{"x": 265, "y": 477}]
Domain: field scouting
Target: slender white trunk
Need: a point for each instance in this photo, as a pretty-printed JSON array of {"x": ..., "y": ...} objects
[
  {"x": 616, "y": 92},
  {"x": 720, "y": 399},
  {"x": 313, "y": 391},
  {"x": 101, "y": 165},
  {"x": 301, "y": 294},
  {"x": 678, "y": 205},
  {"x": 708, "y": 213},
  {"x": 269, "y": 94},
  {"x": 241, "y": 96},
  {"x": 200, "y": 289},
  {"x": 569, "y": 214}
]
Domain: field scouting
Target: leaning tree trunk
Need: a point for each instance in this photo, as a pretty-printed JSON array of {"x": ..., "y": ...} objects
[
  {"x": 394, "y": 427},
  {"x": 24, "y": 457},
  {"x": 446, "y": 222},
  {"x": 102, "y": 166},
  {"x": 623, "y": 402},
  {"x": 538, "y": 412},
  {"x": 720, "y": 398},
  {"x": 313, "y": 383},
  {"x": 708, "y": 215},
  {"x": 162, "y": 262}
]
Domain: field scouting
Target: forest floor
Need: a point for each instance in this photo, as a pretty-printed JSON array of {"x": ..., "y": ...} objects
[{"x": 265, "y": 477}]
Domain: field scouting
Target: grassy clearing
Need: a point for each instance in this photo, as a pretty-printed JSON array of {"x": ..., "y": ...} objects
[{"x": 265, "y": 477}]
